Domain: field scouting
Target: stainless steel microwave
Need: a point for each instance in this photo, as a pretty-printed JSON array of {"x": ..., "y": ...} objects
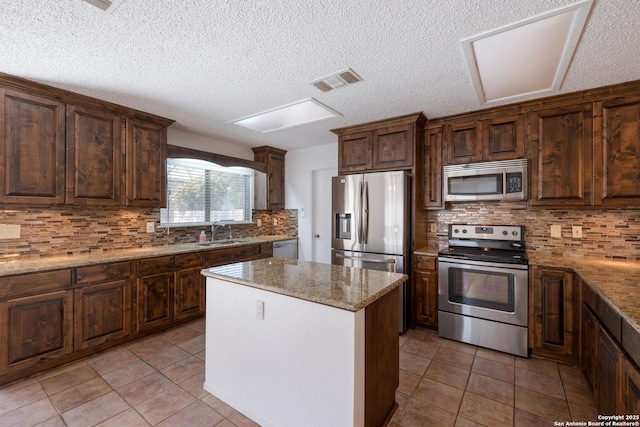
[{"x": 503, "y": 180}]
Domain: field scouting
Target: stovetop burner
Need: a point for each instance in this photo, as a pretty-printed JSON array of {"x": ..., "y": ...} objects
[{"x": 500, "y": 243}]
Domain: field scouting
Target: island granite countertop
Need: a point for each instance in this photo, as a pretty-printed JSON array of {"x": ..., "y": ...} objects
[{"x": 337, "y": 286}]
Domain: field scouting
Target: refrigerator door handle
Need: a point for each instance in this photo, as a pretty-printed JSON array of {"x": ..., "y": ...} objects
[
  {"x": 359, "y": 213},
  {"x": 365, "y": 213},
  {"x": 391, "y": 263}
]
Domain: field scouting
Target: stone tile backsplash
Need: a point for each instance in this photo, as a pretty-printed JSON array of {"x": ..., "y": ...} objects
[
  {"x": 605, "y": 233},
  {"x": 67, "y": 231}
]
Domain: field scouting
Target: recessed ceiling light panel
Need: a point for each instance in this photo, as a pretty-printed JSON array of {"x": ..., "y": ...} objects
[
  {"x": 336, "y": 80},
  {"x": 291, "y": 115},
  {"x": 530, "y": 56}
]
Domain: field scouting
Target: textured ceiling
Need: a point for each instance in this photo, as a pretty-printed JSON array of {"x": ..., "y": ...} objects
[{"x": 205, "y": 62}]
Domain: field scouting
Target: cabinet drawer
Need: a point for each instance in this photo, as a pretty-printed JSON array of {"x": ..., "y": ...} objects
[
  {"x": 193, "y": 259},
  {"x": 103, "y": 272},
  {"x": 611, "y": 318},
  {"x": 155, "y": 265},
  {"x": 33, "y": 284},
  {"x": 589, "y": 296},
  {"x": 425, "y": 262},
  {"x": 231, "y": 255},
  {"x": 266, "y": 250}
]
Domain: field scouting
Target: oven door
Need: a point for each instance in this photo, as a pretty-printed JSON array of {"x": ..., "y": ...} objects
[{"x": 485, "y": 290}]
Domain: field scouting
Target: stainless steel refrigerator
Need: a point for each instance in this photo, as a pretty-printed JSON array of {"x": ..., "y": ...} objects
[{"x": 371, "y": 225}]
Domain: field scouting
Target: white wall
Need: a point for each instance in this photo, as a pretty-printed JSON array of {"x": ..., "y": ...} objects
[
  {"x": 197, "y": 142},
  {"x": 299, "y": 165}
]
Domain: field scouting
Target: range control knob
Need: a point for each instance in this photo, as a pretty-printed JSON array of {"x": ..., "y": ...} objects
[
  {"x": 505, "y": 232},
  {"x": 515, "y": 233},
  {"x": 456, "y": 231},
  {"x": 464, "y": 231}
]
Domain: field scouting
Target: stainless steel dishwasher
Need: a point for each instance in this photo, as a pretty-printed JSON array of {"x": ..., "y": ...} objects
[{"x": 286, "y": 248}]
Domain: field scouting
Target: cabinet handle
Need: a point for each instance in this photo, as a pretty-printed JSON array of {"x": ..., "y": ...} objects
[{"x": 317, "y": 236}]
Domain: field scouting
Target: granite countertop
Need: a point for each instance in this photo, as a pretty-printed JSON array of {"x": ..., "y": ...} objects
[
  {"x": 10, "y": 265},
  {"x": 333, "y": 285},
  {"x": 616, "y": 281}
]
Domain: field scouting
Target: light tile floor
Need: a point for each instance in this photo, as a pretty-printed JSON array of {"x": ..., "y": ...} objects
[
  {"x": 447, "y": 383},
  {"x": 158, "y": 381}
]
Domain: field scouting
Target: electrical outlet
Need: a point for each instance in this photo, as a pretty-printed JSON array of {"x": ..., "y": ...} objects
[
  {"x": 556, "y": 231},
  {"x": 275, "y": 222},
  {"x": 259, "y": 309},
  {"x": 151, "y": 227},
  {"x": 9, "y": 231},
  {"x": 258, "y": 222},
  {"x": 433, "y": 228},
  {"x": 576, "y": 232}
]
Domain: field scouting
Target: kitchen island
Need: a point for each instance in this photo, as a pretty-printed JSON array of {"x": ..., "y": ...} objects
[{"x": 291, "y": 343}]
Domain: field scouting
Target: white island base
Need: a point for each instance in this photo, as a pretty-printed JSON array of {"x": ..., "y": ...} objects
[{"x": 304, "y": 363}]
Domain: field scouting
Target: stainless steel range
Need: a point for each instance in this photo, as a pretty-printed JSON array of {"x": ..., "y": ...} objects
[{"x": 483, "y": 287}]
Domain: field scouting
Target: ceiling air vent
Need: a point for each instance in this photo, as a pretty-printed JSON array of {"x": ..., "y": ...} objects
[{"x": 336, "y": 80}]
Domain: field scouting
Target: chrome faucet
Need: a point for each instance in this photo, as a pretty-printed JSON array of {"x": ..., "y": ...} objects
[{"x": 215, "y": 227}]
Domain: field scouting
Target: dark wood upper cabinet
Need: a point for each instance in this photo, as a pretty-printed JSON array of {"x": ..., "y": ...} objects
[
  {"x": 273, "y": 159},
  {"x": 379, "y": 146},
  {"x": 617, "y": 152},
  {"x": 484, "y": 139},
  {"x": 503, "y": 138},
  {"x": 562, "y": 156},
  {"x": 432, "y": 173},
  {"x": 354, "y": 152},
  {"x": 32, "y": 149},
  {"x": 393, "y": 147},
  {"x": 146, "y": 164},
  {"x": 94, "y": 157},
  {"x": 463, "y": 142}
]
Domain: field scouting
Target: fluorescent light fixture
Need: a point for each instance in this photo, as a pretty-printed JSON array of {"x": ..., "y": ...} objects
[
  {"x": 529, "y": 57},
  {"x": 295, "y": 114},
  {"x": 107, "y": 5}
]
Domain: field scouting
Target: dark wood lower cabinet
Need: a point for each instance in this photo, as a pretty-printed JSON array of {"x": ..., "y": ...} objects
[
  {"x": 426, "y": 288},
  {"x": 155, "y": 298},
  {"x": 189, "y": 293},
  {"x": 630, "y": 389},
  {"x": 609, "y": 359},
  {"x": 588, "y": 345},
  {"x": 35, "y": 329},
  {"x": 552, "y": 321}
]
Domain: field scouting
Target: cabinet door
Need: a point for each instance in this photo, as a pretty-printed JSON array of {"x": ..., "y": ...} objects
[
  {"x": 426, "y": 285},
  {"x": 32, "y": 149},
  {"x": 503, "y": 138},
  {"x": 103, "y": 313},
  {"x": 393, "y": 147},
  {"x": 275, "y": 185},
  {"x": 617, "y": 153},
  {"x": 189, "y": 293},
  {"x": 630, "y": 389},
  {"x": 155, "y": 301},
  {"x": 607, "y": 373},
  {"x": 146, "y": 164},
  {"x": 432, "y": 155},
  {"x": 94, "y": 157},
  {"x": 463, "y": 142},
  {"x": 561, "y": 156},
  {"x": 589, "y": 345},
  {"x": 354, "y": 152},
  {"x": 35, "y": 329},
  {"x": 553, "y": 322}
]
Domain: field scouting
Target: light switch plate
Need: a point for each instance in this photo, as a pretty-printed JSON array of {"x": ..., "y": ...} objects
[
  {"x": 556, "y": 231},
  {"x": 9, "y": 231},
  {"x": 433, "y": 228},
  {"x": 151, "y": 227}
]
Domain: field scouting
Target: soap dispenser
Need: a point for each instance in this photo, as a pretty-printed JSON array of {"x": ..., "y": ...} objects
[{"x": 202, "y": 237}]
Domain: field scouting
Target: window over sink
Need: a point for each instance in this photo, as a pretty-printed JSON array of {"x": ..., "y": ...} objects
[{"x": 200, "y": 192}]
